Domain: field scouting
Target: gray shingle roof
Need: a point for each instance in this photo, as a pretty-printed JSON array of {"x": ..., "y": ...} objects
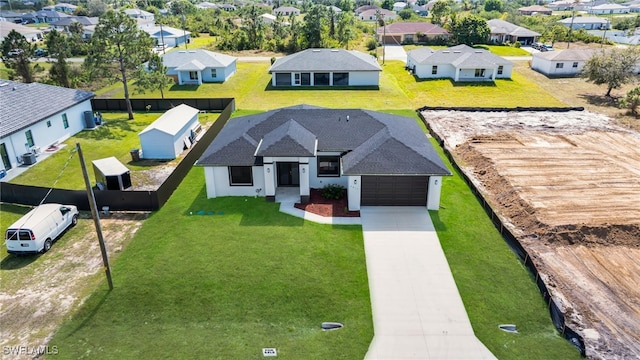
[
  {"x": 498, "y": 26},
  {"x": 375, "y": 143},
  {"x": 195, "y": 59},
  {"x": 22, "y": 105},
  {"x": 326, "y": 60},
  {"x": 460, "y": 56},
  {"x": 567, "y": 54},
  {"x": 288, "y": 139}
]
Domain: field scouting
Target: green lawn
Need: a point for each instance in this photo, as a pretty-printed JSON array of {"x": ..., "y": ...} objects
[
  {"x": 226, "y": 286},
  {"x": 250, "y": 86},
  {"x": 495, "y": 287},
  {"x": 116, "y": 138}
]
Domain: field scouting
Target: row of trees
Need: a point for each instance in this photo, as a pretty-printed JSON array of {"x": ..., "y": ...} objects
[{"x": 117, "y": 52}]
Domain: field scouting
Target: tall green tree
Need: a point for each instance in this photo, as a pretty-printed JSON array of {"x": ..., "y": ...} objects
[
  {"x": 153, "y": 77},
  {"x": 613, "y": 68},
  {"x": 16, "y": 55},
  {"x": 470, "y": 30},
  {"x": 117, "y": 49},
  {"x": 440, "y": 10},
  {"x": 58, "y": 46},
  {"x": 254, "y": 27},
  {"x": 314, "y": 24},
  {"x": 493, "y": 5}
]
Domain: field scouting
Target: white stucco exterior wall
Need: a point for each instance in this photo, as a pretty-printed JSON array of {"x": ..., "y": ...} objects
[
  {"x": 304, "y": 179},
  {"x": 433, "y": 194},
  {"x": 549, "y": 68},
  {"x": 354, "y": 192},
  {"x": 217, "y": 180},
  {"x": 43, "y": 135},
  {"x": 364, "y": 78},
  {"x": 269, "y": 179}
]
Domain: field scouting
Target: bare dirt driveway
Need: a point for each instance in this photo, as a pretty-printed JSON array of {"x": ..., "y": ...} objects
[
  {"x": 38, "y": 292},
  {"x": 568, "y": 187}
]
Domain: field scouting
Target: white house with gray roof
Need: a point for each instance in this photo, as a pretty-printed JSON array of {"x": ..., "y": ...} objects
[
  {"x": 459, "y": 63},
  {"x": 167, "y": 35},
  {"x": 381, "y": 159},
  {"x": 194, "y": 67},
  {"x": 586, "y": 23},
  {"x": 34, "y": 116},
  {"x": 504, "y": 31},
  {"x": 326, "y": 67},
  {"x": 561, "y": 63}
]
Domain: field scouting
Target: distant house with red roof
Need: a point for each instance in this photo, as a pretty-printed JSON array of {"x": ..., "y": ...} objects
[
  {"x": 535, "y": 9},
  {"x": 410, "y": 32}
]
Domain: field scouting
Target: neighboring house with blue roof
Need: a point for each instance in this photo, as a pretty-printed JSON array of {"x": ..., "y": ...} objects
[
  {"x": 381, "y": 159},
  {"x": 167, "y": 35},
  {"x": 326, "y": 67},
  {"x": 459, "y": 63},
  {"x": 34, "y": 116},
  {"x": 194, "y": 67}
]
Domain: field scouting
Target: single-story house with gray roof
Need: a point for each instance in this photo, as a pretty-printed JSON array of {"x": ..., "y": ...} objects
[
  {"x": 459, "y": 63},
  {"x": 561, "y": 63},
  {"x": 410, "y": 32},
  {"x": 503, "y": 31},
  {"x": 35, "y": 116},
  {"x": 586, "y": 23},
  {"x": 168, "y": 35},
  {"x": 326, "y": 67},
  {"x": 194, "y": 67},
  {"x": 381, "y": 159}
]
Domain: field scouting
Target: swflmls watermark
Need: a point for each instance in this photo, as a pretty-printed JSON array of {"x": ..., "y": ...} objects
[{"x": 30, "y": 350}]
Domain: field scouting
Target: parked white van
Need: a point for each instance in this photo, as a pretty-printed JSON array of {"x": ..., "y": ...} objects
[{"x": 39, "y": 228}]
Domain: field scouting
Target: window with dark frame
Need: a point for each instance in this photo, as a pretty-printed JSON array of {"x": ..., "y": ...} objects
[
  {"x": 214, "y": 73},
  {"x": 48, "y": 123},
  {"x": 341, "y": 79},
  {"x": 559, "y": 65},
  {"x": 479, "y": 72},
  {"x": 193, "y": 75},
  {"x": 321, "y": 79},
  {"x": 65, "y": 121},
  {"x": 240, "y": 176},
  {"x": 575, "y": 64},
  {"x": 29, "y": 136},
  {"x": 328, "y": 166},
  {"x": 434, "y": 70},
  {"x": 500, "y": 69},
  {"x": 283, "y": 79}
]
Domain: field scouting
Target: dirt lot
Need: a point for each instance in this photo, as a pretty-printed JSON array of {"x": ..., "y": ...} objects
[
  {"x": 568, "y": 186},
  {"x": 39, "y": 292}
]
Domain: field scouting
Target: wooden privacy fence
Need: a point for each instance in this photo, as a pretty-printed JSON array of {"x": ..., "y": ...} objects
[
  {"x": 119, "y": 200},
  {"x": 557, "y": 317}
]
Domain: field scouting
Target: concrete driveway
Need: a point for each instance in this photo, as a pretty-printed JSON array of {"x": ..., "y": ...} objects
[
  {"x": 395, "y": 52},
  {"x": 417, "y": 310}
]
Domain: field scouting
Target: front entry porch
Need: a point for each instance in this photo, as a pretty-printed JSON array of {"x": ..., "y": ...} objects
[{"x": 286, "y": 179}]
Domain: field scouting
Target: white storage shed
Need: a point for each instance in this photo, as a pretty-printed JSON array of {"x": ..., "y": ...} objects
[
  {"x": 111, "y": 174},
  {"x": 170, "y": 134}
]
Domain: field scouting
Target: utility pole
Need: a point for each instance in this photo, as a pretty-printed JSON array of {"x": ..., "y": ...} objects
[{"x": 96, "y": 219}]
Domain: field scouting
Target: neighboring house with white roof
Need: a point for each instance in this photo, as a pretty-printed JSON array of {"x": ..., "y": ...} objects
[
  {"x": 139, "y": 14},
  {"x": 30, "y": 33},
  {"x": 504, "y": 31},
  {"x": 35, "y": 116},
  {"x": 399, "y": 6},
  {"x": 167, "y": 35},
  {"x": 381, "y": 159},
  {"x": 206, "y": 5},
  {"x": 194, "y": 67},
  {"x": 586, "y": 23},
  {"x": 372, "y": 15},
  {"x": 88, "y": 24},
  {"x": 326, "y": 67},
  {"x": 459, "y": 63},
  {"x": 561, "y": 63},
  {"x": 286, "y": 11},
  {"x": 607, "y": 9},
  {"x": 172, "y": 133}
]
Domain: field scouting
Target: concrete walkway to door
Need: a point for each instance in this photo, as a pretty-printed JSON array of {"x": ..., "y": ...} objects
[{"x": 417, "y": 310}]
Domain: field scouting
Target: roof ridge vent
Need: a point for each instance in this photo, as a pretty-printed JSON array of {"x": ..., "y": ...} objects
[
  {"x": 456, "y": 51},
  {"x": 446, "y": 51},
  {"x": 315, "y": 50}
]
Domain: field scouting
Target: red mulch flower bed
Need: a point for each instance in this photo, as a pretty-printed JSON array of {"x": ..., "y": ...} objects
[{"x": 327, "y": 207}]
